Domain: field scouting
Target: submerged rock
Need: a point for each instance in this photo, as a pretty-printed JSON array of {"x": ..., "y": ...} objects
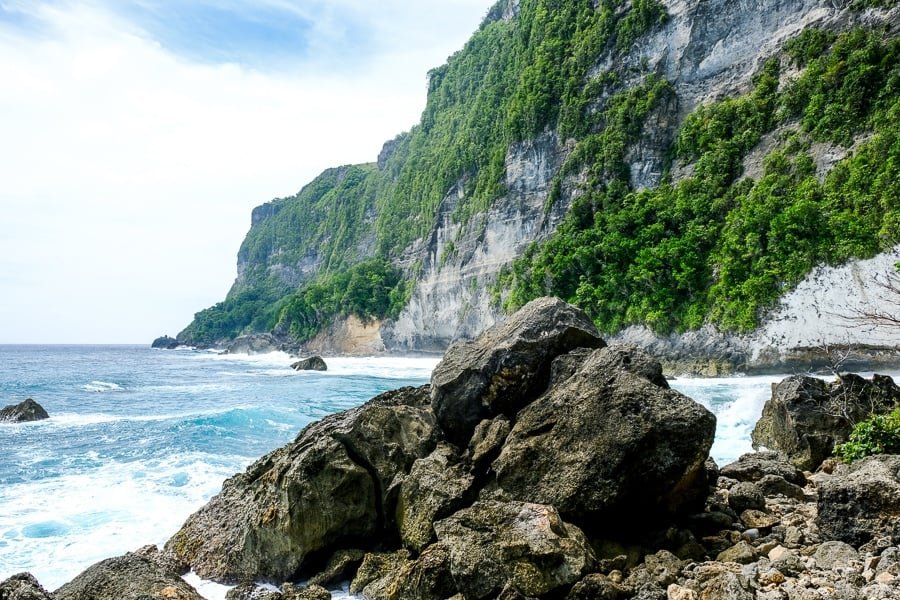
[
  {"x": 24, "y": 412},
  {"x": 807, "y": 416},
  {"x": 23, "y": 586},
  {"x": 329, "y": 486},
  {"x": 507, "y": 366},
  {"x": 128, "y": 577},
  {"x": 608, "y": 446},
  {"x": 313, "y": 363}
]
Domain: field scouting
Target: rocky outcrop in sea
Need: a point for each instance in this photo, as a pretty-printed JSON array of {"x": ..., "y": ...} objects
[
  {"x": 539, "y": 463},
  {"x": 24, "y": 412}
]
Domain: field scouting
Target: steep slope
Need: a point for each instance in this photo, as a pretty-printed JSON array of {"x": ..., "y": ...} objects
[{"x": 673, "y": 165}]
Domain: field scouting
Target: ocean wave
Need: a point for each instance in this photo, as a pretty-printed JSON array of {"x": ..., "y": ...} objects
[{"x": 102, "y": 386}]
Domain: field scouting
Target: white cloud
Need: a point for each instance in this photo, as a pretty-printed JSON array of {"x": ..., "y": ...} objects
[{"x": 128, "y": 173}]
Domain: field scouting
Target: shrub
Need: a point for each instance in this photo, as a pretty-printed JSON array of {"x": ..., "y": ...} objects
[{"x": 879, "y": 434}]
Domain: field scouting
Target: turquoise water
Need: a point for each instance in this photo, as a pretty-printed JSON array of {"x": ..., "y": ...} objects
[{"x": 139, "y": 438}]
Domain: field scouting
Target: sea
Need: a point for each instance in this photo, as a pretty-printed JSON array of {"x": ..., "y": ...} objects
[{"x": 138, "y": 439}]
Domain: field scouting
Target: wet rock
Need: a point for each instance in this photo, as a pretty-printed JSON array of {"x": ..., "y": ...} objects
[
  {"x": 165, "y": 343},
  {"x": 128, "y": 577},
  {"x": 528, "y": 546},
  {"x": 24, "y": 412},
  {"x": 863, "y": 502},
  {"x": 608, "y": 446},
  {"x": 308, "y": 592},
  {"x": 23, "y": 586},
  {"x": 312, "y": 363},
  {"x": 753, "y": 466},
  {"x": 249, "y": 590},
  {"x": 435, "y": 488},
  {"x": 326, "y": 488},
  {"x": 507, "y": 366},
  {"x": 807, "y": 416}
]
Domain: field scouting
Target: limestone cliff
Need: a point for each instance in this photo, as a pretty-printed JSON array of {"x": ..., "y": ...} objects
[{"x": 452, "y": 238}]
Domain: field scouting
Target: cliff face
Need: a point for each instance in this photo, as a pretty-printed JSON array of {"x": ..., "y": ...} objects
[{"x": 704, "y": 51}]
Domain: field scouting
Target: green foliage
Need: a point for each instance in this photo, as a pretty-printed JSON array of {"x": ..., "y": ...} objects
[
  {"x": 248, "y": 311},
  {"x": 714, "y": 247},
  {"x": 879, "y": 434},
  {"x": 371, "y": 289}
]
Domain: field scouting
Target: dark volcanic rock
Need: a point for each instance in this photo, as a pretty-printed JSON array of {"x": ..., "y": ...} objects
[
  {"x": 128, "y": 577},
  {"x": 313, "y": 363},
  {"x": 24, "y": 412},
  {"x": 862, "y": 503},
  {"x": 507, "y": 366},
  {"x": 527, "y": 546},
  {"x": 608, "y": 443},
  {"x": 23, "y": 586},
  {"x": 807, "y": 416},
  {"x": 326, "y": 488},
  {"x": 753, "y": 466},
  {"x": 165, "y": 343}
]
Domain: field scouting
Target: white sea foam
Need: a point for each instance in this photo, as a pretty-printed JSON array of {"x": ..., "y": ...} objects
[
  {"x": 387, "y": 367},
  {"x": 208, "y": 589},
  {"x": 102, "y": 386}
]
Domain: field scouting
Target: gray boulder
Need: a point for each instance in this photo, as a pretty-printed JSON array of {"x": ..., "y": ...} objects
[
  {"x": 754, "y": 466},
  {"x": 24, "y": 412},
  {"x": 313, "y": 363},
  {"x": 862, "y": 503},
  {"x": 807, "y": 416},
  {"x": 507, "y": 366},
  {"x": 128, "y": 577},
  {"x": 528, "y": 547},
  {"x": 23, "y": 586},
  {"x": 326, "y": 488},
  {"x": 257, "y": 343},
  {"x": 608, "y": 443}
]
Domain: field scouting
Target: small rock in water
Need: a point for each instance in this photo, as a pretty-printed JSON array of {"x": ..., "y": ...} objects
[
  {"x": 313, "y": 363},
  {"x": 24, "y": 412}
]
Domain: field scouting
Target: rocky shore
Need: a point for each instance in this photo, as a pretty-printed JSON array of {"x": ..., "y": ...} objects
[{"x": 541, "y": 463}]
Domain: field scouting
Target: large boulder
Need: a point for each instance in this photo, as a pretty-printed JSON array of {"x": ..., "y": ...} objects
[
  {"x": 863, "y": 502},
  {"x": 756, "y": 466},
  {"x": 257, "y": 343},
  {"x": 807, "y": 416},
  {"x": 24, "y": 412},
  {"x": 128, "y": 577},
  {"x": 507, "y": 366},
  {"x": 23, "y": 586},
  {"x": 528, "y": 547},
  {"x": 312, "y": 363},
  {"x": 609, "y": 443},
  {"x": 329, "y": 486}
]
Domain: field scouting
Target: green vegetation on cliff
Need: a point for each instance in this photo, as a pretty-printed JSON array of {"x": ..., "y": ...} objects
[{"x": 717, "y": 246}]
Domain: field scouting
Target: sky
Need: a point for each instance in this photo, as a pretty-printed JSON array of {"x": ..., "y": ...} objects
[{"x": 136, "y": 136}]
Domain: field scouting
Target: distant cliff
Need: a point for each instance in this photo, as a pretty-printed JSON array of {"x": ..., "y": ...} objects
[{"x": 669, "y": 166}]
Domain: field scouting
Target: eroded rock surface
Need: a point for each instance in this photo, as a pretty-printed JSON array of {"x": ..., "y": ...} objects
[
  {"x": 24, "y": 412},
  {"x": 128, "y": 577}
]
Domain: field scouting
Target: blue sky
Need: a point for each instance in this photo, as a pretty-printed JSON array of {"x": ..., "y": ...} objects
[{"x": 136, "y": 136}]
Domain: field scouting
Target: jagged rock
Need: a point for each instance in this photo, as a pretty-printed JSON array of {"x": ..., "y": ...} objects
[
  {"x": 128, "y": 577},
  {"x": 251, "y": 591},
  {"x": 753, "y": 466},
  {"x": 328, "y": 486},
  {"x": 597, "y": 587},
  {"x": 507, "y": 366},
  {"x": 807, "y": 416},
  {"x": 23, "y": 586},
  {"x": 528, "y": 546},
  {"x": 566, "y": 365},
  {"x": 165, "y": 343},
  {"x": 24, "y": 412},
  {"x": 488, "y": 438},
  {"x": 862, "y": 503},
  {"x": 341, "y": 567},
  {"x": 745, "y": 495},
  {"x": 606, "y": 445},
  {"x": 309, "y": 592},
  {"x": 313, "y": 363},
  {"x": 426, "y": 578},
  {"x": 770, "y": 485},
  {"x": 377, "y": 571},
  {"x": 435, "y": 488}
]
